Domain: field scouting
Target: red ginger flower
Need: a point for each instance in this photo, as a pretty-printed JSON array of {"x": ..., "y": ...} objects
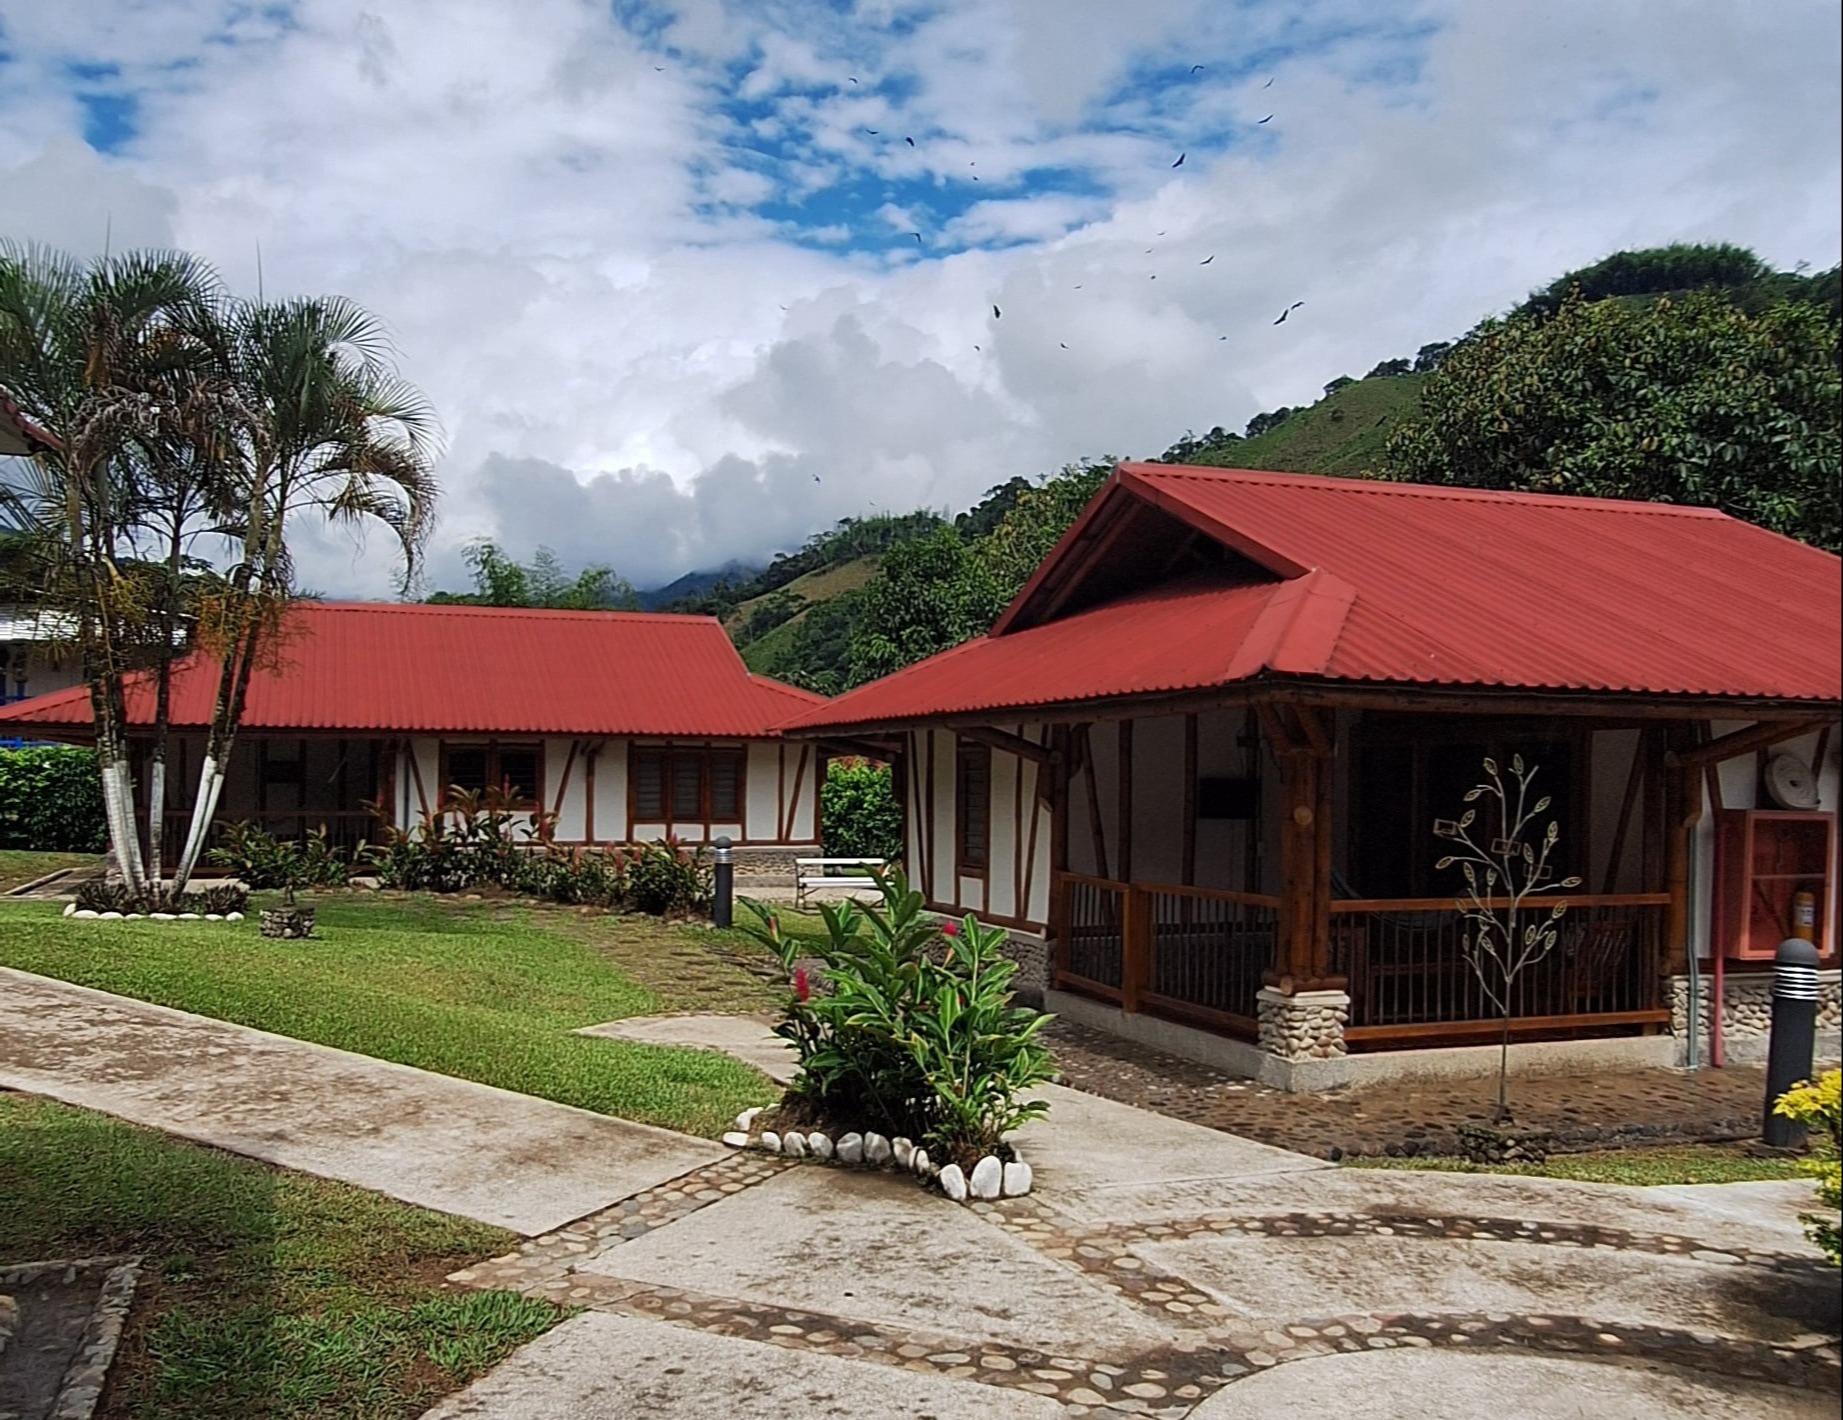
[
  {"x": 802, "y": 987},
  {"x": 950, "y": 929}
]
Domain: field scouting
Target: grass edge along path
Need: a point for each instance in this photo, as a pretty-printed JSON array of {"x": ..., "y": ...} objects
[
  {"x": 265, "y": 1294},
  {"x": 460, "y": 989}
]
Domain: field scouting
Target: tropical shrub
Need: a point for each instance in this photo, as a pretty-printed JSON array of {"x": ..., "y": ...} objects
[
  {"x": 858, "y": 813},
  {"x": 472, "y": 839},
  {"x": 51, "y": 800},
  {"x": 664, "y": 877},
  {"x": 1819, "y": 1107},
  {"x": 259, "y": 859},
  {"x": 98, "y": 895},
  {"x": 912, "y": 1031}
]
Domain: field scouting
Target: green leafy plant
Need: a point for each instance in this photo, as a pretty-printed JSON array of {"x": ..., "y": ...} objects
[
  {"x": 261, "y": 860},
  {"x": 664, "y": 877},
  {"x": 1819, "y": 1107},
  {"x": 51, "y": 800},
  {"x": 472, "y": 838},
  {"x": 912, "y": 1030},
  {"x": 859, "y": 812},
  {"x": 98, "y": 895}
]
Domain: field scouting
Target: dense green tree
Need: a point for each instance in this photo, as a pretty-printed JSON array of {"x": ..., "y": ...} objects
[
  {"x": 929, "y": 594},
  {"x": 1688, "y": 400},
  {"x": 1681, "y": 266},
  {"x": 499, "y": 580},
  {"x": 1042, "y": 515}
]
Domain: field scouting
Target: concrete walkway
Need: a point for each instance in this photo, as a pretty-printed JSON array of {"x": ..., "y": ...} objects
[
  {"x": 1160, "y": 1268},
  {"x": 503, "y": 1158}
]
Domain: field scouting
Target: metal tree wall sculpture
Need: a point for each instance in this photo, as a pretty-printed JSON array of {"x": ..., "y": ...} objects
[{"x": 1506, "y": 932}]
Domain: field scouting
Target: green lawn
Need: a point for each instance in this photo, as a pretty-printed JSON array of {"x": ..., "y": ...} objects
[
  {"x": 484, "y": 991},
  {"x": 19, "y": 866},
  {"x": 265, "y": 1293},
  {"x": 1639, "y": 1168}
]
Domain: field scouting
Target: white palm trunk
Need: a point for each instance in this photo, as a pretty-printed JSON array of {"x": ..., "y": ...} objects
[{"x": 204, "y": 806}]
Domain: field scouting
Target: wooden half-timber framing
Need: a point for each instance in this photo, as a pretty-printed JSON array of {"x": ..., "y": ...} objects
[{"x": 1303, "y": 748}]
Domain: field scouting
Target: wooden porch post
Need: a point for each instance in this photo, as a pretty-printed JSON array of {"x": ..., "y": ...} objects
[
  {"x": 1682, "y": 811},
  {"x": 1303, "y": 956}
]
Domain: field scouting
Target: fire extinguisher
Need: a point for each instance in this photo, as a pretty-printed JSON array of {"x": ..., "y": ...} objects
[{"x": 1804, "y": 916}]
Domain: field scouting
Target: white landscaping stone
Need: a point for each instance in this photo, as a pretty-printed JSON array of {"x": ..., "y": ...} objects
[
  {"x": 70, "y": 909},
  {"x": 876, "y": 1150},
  {"x": 904, "y": 1150},
  {"x": 1017, "y": 1179},
  {"x": 736, "y": 1139},
  {"x": 851, "y": 1148},
  {"x": 214, "y": 916},
  {"x": 163, "y": 916},
  {"x": 953, "y": 1182},
  {"x": 188, "y": 917},
  {"x": 920, "y": 1162},
  {"x": 747, "y": 1117},
  {"x": 794, "y": 1145},
  {"x": 988, "y": 1177},
  {"x": 771, "y": 1141},
  {"x": 233, "y": 916},
  {"x": 87, "y": 914},
  {"x": 135, "y": 916},
  {"x": 111, "y": 917},
  {"x": 820, "y": 1145}
]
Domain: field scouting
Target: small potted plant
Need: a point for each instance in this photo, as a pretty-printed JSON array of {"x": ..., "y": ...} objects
[{"x": 289, "y": 870}]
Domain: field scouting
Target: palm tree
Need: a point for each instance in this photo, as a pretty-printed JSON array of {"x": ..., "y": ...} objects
[
  {"x": 97, "y": 354},
  {"x": 328, "y": 428}
]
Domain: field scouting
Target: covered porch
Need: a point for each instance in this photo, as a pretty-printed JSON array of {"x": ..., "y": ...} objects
[{"x": 1264, "y": 871}]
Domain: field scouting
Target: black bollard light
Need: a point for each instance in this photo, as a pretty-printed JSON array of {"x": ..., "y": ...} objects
[
  {"x": 723, "y": 881},
  {"x": 1793, "y": 1040}
]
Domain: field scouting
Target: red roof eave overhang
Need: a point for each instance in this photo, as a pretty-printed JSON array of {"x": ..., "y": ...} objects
[{"x": 1268, "y": 688}]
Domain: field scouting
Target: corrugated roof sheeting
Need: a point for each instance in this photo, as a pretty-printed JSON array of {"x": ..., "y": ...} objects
[
  {"x": 481, "y": 670},
  {"x": 1416, "y": 585}
]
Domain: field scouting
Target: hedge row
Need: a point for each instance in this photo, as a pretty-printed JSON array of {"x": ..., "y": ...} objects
[{"x": 51, "y": 800}]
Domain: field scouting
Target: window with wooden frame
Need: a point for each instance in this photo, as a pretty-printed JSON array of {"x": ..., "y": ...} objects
[
  {"x": 972, "y": 809},
  {"x": 1406, "y": 773},
  {"x": 686, "y": 784},
  {"x": 516, "y": 768}
]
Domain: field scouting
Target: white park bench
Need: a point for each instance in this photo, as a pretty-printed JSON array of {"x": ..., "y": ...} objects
[{"x": 811, "y": 875}]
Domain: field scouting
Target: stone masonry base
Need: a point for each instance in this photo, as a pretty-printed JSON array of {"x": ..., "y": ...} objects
[{"x": 1747, "y": 1015}]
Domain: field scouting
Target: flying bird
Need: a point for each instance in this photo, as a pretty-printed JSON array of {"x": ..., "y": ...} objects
[
  {"x": 1260, "y": 121},
  {"x": 1078, "y": 285},
  {"x": 871, "y": 131},
  {"x": 1207, "y": 260},
  {"x": 815, "y": 478},
  {"x": 996, "y": 313},
  {"x": 1269, "y": 83},
  {"x": 1289, "y": 310},
  {"x": 977, "y": 348},
  {"x": 909, "y": 141},
  {"x": 1180, "y": 160},
  {"x": 1063, "y": 346},
  {"x": 852, "y": 79},
  {"x": 1196, "y": 69},
  {"x": 917, "y": 236}
]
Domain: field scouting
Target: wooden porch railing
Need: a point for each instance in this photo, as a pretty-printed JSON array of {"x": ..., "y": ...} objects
[
  {"x": 1195, "y": 955},
  {"x": 1405, "y": 967}
]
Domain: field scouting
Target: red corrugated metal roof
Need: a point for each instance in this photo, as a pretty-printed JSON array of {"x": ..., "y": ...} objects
[
  {"x": 1416, "y": 585},
  {"x": 403, "y": 668}
]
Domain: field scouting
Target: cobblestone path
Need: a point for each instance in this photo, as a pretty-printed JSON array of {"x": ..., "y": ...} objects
[{"x": 1209, "y": 1344}]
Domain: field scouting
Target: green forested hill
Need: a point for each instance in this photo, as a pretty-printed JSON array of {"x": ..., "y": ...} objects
[
  {"x": 808, "y": 619},
  {"x": 1343, "y": 433}
]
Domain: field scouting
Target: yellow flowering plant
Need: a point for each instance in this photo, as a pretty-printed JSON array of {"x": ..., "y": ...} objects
[{"x": 1819, "y": 1107}]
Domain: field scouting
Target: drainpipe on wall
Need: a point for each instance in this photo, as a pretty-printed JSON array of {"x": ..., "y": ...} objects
[{"x": 1694, "y": 1058}]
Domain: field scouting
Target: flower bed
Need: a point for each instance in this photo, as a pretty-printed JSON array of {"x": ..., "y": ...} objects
[
  {"x": 907, "y": 1036},
  {"x": 990, "y": 1177}
]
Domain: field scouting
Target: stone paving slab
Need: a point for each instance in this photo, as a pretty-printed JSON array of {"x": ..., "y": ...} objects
[
  {"x": 508, "y": 1159},
  {"x": 1423, "y": 1384},
  {"x": 749, "y": 1039},
  {"x": 879, "y": 1248},
  {"x": 1286, "y": 1277},
  {"x": 604, "y": 1367}
]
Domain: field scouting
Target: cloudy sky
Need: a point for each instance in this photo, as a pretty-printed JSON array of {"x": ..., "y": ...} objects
[{"x": 689, "y": 279}]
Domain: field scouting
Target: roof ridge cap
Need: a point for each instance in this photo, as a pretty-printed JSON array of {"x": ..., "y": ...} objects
[{"x": 1449, "y": 492}]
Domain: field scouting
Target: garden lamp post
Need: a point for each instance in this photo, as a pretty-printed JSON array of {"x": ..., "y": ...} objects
[{"x": 723, "y": 883}]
